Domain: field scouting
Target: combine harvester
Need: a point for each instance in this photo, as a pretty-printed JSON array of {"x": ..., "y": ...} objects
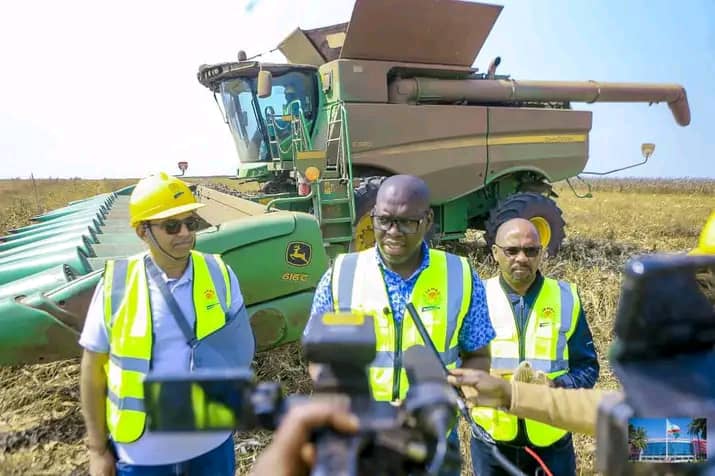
[{"x": 386, "y": 93}]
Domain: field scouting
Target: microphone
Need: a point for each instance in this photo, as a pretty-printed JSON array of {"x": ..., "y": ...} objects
[
  {"x": 423, "y": 366},
  {"x": 430, "y": 399}
]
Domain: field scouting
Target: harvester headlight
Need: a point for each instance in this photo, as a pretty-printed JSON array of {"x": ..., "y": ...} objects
[{"x": 312, "y": 173}]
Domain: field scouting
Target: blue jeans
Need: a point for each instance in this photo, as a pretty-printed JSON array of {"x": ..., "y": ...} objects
[
  {"x": 560, "y": 458},
  {"x": 221, "y": 461}
]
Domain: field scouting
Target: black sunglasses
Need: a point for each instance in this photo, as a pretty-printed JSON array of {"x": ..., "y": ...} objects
[
  {"x": 513, "y": 251},
  {"x": 405, "y": 225},
  {"x": 173, "y": 226}
]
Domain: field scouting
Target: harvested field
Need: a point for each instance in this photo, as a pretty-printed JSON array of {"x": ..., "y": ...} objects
[{"x": 41, "y": 430}]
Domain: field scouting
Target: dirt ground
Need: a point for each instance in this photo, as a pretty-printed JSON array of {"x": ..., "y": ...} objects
[{"x": 41, "y": 430}]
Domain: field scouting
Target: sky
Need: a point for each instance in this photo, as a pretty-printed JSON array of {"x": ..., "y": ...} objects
[
  {"x": 100, "y": 89},
  {"x": 655, "y": 427}
]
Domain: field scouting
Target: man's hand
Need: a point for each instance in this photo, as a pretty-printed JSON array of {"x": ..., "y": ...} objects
[
  {"x": 490, "y": 391},
  {"x": 291, "y": 452},
  {"x": 101, "y": 463}
]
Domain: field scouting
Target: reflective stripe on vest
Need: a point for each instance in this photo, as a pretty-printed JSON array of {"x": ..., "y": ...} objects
[
  {"x": 127, "y": 317},
  {"x": 442, "y": 296},
  {"x": 550, "y": 324}
]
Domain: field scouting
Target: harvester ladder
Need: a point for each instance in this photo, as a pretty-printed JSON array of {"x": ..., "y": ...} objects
[{"x": 335, "y": 194}]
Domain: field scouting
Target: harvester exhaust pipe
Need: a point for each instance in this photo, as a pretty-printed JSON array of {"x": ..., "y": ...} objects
[{"x": 425, "y": 90}]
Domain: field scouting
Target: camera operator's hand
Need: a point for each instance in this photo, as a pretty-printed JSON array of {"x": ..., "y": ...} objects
[
  {"x": 490, "y": 391},
  {"x": 291, "y": 452}
]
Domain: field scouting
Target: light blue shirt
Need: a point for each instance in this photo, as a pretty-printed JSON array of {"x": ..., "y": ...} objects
[{"x": 171, "y": 354}]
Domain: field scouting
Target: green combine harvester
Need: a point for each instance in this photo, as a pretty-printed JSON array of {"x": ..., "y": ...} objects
[{"x": 385, "y": 93}]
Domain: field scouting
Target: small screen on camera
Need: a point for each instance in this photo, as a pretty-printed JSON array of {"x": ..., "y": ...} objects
[{"x": 196, "y": 404}]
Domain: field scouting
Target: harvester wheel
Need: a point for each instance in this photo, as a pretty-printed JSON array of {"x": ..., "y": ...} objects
[
  {"x": 365, "y": 196},
  {"x": 538, "y": 209}
]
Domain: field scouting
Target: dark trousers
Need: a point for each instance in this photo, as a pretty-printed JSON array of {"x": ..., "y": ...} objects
[
  {"x": 560, "y": 458},
  {"x": 220, "y": 461}
]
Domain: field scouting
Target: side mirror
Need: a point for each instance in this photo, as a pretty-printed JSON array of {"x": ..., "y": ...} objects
[
  {"x": 647, "y": 149},
  {"x": 265, "y": 83}
]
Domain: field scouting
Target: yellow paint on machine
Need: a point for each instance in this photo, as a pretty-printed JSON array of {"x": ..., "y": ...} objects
[
  {"x": 500, "y": 139},
  {"x": 509, "y": 139}
]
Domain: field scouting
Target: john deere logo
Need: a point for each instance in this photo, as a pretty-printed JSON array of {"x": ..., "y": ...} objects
[
  {"x": 432, "y": 296},
  {"x": 298, "y": 253},
  {"x": 547, "y": 312},
  {"x": 209, "y": 295}
]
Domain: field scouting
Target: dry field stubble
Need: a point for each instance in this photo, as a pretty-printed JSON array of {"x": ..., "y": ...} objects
[{"x": 41, "y": 430}]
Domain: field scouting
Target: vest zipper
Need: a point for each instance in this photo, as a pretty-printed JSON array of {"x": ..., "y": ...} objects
[{"x": 521, "y": 329}]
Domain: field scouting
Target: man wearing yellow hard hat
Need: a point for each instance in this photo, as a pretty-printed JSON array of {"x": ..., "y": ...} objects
[{"x": 170, "y": 309}]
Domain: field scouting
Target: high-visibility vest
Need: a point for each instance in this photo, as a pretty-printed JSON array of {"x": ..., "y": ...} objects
[
  {"x": 442, "y": 296},
  {"x": 550, "y": 324},
  {"x": 127, "y": 317}
]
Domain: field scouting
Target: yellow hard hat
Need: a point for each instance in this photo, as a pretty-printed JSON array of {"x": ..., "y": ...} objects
[
  {"x": 706, "y": 242},
  {"x": 160, "y": 196}
]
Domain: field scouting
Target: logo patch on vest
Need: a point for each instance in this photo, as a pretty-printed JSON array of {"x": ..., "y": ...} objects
[
  {"x": 432, "y": 299},
  {"x": 298, "y": 253},
  {"x": 547, "y": 312},
  {"x": 211, "y": 300}
]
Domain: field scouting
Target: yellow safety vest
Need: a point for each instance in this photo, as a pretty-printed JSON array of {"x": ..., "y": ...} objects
[
  {"x": 127, "y": 317},
  {"x": 545, "y": 345},
  {"x": 442, "y": 296}
]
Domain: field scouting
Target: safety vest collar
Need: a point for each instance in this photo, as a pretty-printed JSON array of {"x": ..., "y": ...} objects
[
  {"x": 423, "y": 264},
  {"x": 531, "y": 294}
]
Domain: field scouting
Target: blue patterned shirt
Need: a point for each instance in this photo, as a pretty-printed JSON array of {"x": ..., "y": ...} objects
[{"x": 476, "y": 331}]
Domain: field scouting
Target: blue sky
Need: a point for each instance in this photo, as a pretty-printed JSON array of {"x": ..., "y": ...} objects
[
  {"x": 655, "y": 427},
  {"x": 117, "y": 93}
]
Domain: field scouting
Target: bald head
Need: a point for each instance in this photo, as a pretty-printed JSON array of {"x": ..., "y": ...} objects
[
  {"x": 517, "y": 251},
  {"x": 405, "y": 189},
  {"x": 517, "y": 225}
]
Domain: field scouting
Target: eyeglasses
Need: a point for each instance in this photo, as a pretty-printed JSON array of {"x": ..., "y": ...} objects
[
  {"x": 173, "y": 226},
  {"x": 513, "y": 251},
  {"x": 405, "y": 225}
]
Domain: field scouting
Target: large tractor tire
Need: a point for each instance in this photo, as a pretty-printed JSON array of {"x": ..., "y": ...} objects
[
  {"x": 365, "y": 197},
  {"x": 538, "y": 209}
]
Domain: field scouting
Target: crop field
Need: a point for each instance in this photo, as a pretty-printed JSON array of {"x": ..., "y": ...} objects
[{"x": 41, "y": 429}]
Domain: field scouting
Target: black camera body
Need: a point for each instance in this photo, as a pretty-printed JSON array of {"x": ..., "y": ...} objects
[
  {"x": 409, "y": 438},
  {"x": 663, "y": 355}
]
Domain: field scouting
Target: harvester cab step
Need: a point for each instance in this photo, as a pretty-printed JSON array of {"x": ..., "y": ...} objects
[
  {"x": 337, "y": 220},
  {"x": 336, "y": 214}
]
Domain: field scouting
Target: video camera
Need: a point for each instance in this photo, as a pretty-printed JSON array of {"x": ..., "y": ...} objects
[
  {"x": 664, "y": 356},
  {"x": 397, "y": 440}
]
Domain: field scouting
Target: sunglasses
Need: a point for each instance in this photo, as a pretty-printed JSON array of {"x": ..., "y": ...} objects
[
  {"x": 405, "y": 225},
  {"x": 173, "y": 226},
  {"x": 513, "y": 251}
]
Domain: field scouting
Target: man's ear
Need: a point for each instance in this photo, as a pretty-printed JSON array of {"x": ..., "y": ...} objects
[
  {"x": 140, "y": 230},
  {"x": 430, "y": 218}
]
